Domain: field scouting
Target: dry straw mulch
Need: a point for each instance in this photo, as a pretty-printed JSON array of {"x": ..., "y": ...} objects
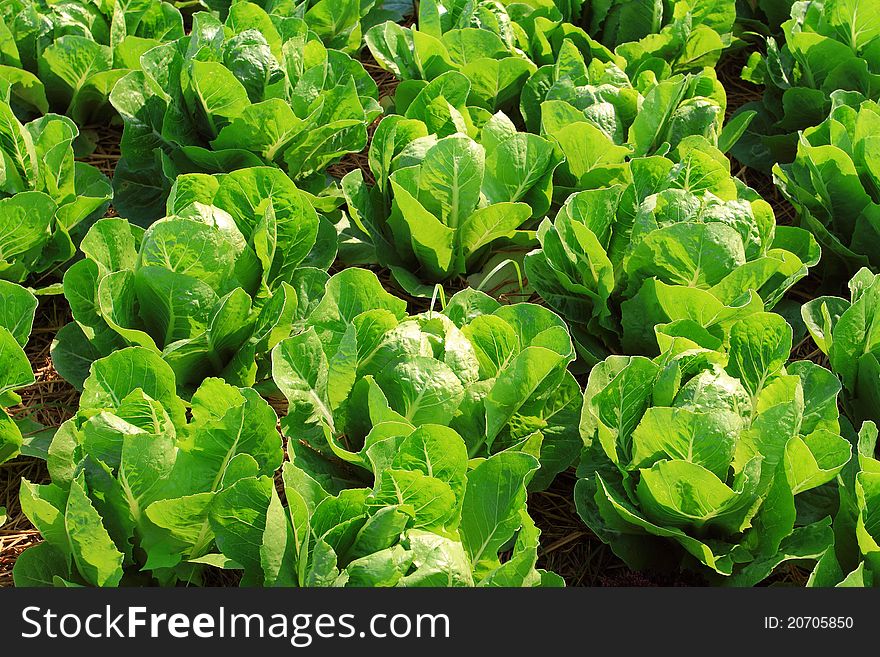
[{"x": 106, "y": 153}]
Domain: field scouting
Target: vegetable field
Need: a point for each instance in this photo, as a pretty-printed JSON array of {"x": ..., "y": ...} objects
[{"x": 463, "y": 293}]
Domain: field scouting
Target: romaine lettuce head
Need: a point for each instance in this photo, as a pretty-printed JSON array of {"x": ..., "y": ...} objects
[
  {"x": 427, "y": 517},
  {"x": 676, "y": 249},
  {"x": 495, "y": 374},
  {"x": 479, "y": 40},
  {"x": 134, "y": 477},
  {"x": 828, "y": 46},
  {"x": 212, "y": 288},
  {"x": 498, "y": 46},
  {"x": 854, "y": 559},
  {"x": 257, "y": 90},
  {"x": 446, "y": 203},
  {"x": 845, "y": 331},
  {"x": 700, "y": 458},
  {"x": 46, "y": 198},
  {"x": 586, "y": 88},
  {"x": 643, "y": 111},
  {"x": 834, "y": 183},
  {"x": 340, "y": 24},
  {"x": 66, "y": 56},
  {"x": 681, "y": 32}
]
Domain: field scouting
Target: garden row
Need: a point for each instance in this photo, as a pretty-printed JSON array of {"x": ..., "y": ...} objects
[{"x": 545, "y": 265}]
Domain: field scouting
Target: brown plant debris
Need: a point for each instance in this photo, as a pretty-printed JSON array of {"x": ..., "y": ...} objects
[{"x": 106, "y": 151}]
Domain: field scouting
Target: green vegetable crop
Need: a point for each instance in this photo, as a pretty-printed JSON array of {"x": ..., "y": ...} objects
[
  {"x": 834, "y": 182},
  {"x": 844, "y": 331},
  {"x": 688, "y": 28},
  {"x": 499, "y": 46},
  {"x": 699, "y": 458},
  {"x": 853, "y": 559},
  {"x": 429, "y": 519},
  {"x": 134, "y": 480},
  {"x": 375, "y": 281},
  {"x": 445, "y": 203},
  {"x": 46, "y": 198},
  {"x": 339, "y": 23},
  {"x": 212, "y": 287},
  {"x": 257, "y": 90},
  {"x": 495, "y": 374},
  {"x": 66, "y": 56},
  {"x": 675, "y": 249},
  {"x": 829, "y": 45},
  {"x": 644, "y": 115}
]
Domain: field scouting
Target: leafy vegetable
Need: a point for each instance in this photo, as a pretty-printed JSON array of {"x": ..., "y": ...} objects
[
  {"x": 853, "y": 560},
  {"x": 689, "y": 25},
  {"x": 257, "y": 90},
  {"x": 845, "y": 331},
  {"x": 495, "y": 374},
  {"x": 211, "y": 288},
  {"x": 701, "y": 459},
  {"x": 339, "y": 23},
  {"x": 17, "y": 308},
  {"x": 66, "y": 56},
  {"x": 829, "y": 45},
  {"x": 443, "y": 202},
  {"x": 476, "y": 39},
  {"x": 674, "y": 249},
  {"x": 834, "y": 182},
  {"x": 46, "y": 197},
  {"x": 593, "y": 111},
  {"x": 429, "y": 519},
  {"x": 133, "y": 480}
]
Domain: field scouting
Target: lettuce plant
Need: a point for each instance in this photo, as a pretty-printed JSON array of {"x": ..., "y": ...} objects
[
  {"x": 134, "y": 479},
  {"x": 339, "y": 23},
  {"x": 664, "y": 37},
  {"x": 829, "y": 45},
  {"x": 618, "y": 22},
  {"x": 477, "y": 39},
  {"x": 17, "y": 308},
  {"x": 594, "y": 85},
  {"x": 701, "y": 459},
  {"x": 66, "y": 56},
  {"x": 444, "y": 204},
  {"x": 45, "y": 196},
  {"x": 257, "y": 90},
  {"x": 834, "y": 183},
  {"x": 854, "y": 559},
  {"x": 595, "y": 114},
  {"x": 429, "y": 519},
  {"x": 497, "y": 375},
  {"x": 672, "y": 248},
  {"x": 211, "y": 288},
  {"x": 844, "y": 331}
]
